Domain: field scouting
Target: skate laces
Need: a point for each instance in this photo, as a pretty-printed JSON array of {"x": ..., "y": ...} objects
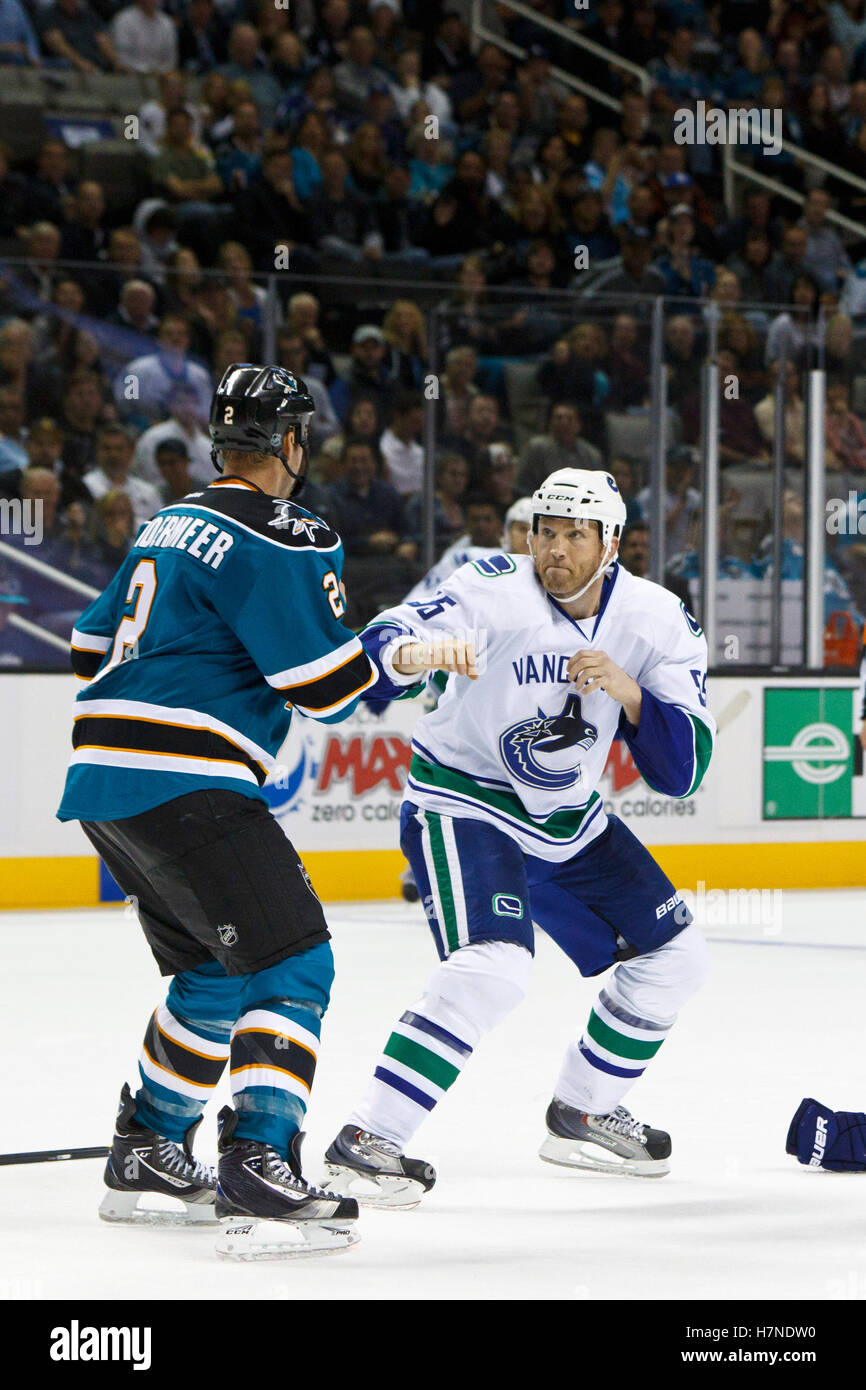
[
  {"x": 373, "y": 1141},
  {"x": 174, "y": 1160},
  {"x": 283, "y": 1172},
  {"x": 621, "y": 1121}
]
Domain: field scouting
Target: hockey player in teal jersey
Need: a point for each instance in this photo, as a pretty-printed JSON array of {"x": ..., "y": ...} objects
[{"x": 222, "y": 621}]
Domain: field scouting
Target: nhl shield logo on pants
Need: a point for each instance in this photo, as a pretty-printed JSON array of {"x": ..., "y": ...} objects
[{"x": 227, "y": 934}]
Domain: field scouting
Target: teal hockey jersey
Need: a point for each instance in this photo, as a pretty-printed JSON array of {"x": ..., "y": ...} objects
[{"x": 223, "y": 618}]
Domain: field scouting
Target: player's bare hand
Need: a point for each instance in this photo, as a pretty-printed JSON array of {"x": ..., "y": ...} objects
[
  {"x": 453, "y": 654},
  {"x": 591, "y": 671}
]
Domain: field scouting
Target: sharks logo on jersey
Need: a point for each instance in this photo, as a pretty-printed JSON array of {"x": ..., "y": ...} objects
[
  {"x": 301, "y": 525},
  {"x": 548, "y": 735}
]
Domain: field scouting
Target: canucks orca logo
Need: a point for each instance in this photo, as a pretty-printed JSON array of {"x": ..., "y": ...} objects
[{"x": 520, "y": 744}]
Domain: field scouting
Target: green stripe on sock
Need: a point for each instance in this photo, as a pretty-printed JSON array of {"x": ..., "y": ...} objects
[
  {"x": 443, "y": 879},
  {"x": 619, "y": 1043},
  {"x": 420, "y": 1059}
]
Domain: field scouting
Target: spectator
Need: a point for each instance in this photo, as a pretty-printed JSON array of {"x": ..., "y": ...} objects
[
  {"x": 566, "y": 374},
  {"x": 405, "y": 332},
  {"x": 685, "y": 274},
  {"x": 825, "y": 256},
  {"x": 18, "y": 43},
  {"x": 17, "y": 365},
  {"x": 240, "y": 159},
  {"x": 172, "y": 461},
  {"x": 627, "y": 368},
  {"x": 497, "y": 476},
  {"x": 292, "y": 353},
  {"x": 844, "y": 434},
  {"x": 680, "y": 345},
  {"x": 409, "y": 88},
  {"x": 786, "y": 265},
  {"x": 144, "y": 38},
  {"x": 791, "y": 335},
  {"x": 682, "y": 500},
  {"x": 474, "y": 91},
  {"x": 368, "y": 511},
  {"x": 483, "y": 428},
  {"x": 201, "y": 38},
  {"x": 591, "y": 231},
  {"x": 302, "y": 317},
  {"x": 268, "y": 212},
  {"x": 112, "y": 470},
  {"x": 70, "y": 31},
  {"x": 83, "y": 409},
  {"x": 357, "y": 74},
  {"x": 45, "y": 196},
  {"x": 344, "y": 221},
  {"x": 42, "y": 247},
  {"x": 113, "y": 527},
  {"x": 369, "y": 375},
  {"x": 185, "y": 173},
  {"x": 309, "y": 145},
  {"x": 146, "y": 385},
  {"x": 624, "y": 473},
  {"x": 248, "y": 62},
  {"x": 135, "y": 311},
  {"x": 632, "y": 273},
  {"x": 186, "y": 423},
  {"x": 751, "y": 268},
  {"x": 450, "y": 481},
  {"x": 561, "y": 447},
  {"x": 457, "y": 389},
  {"x": 795, "y": 415},
  {"x": 13, "y": 436},
  {"x": 464, "y": 217},
  {"x": 84, "y": 237},
  {"x": 400, "y": 444},
  {"x": 840, "y": 351},
  {"x": 153, "y": 116},
  {"x": 740, "y": 440}
]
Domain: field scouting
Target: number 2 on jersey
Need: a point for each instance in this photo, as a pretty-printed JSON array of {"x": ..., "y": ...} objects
[
  {"x": 141, "y": 593},
  {"x": 331, "y": 585}
]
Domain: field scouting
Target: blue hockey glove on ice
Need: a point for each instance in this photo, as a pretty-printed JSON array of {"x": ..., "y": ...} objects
[{"x": 825, "y": 1138}]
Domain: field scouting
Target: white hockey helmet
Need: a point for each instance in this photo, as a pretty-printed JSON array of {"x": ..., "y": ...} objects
[
  {"x": 521, "y": 510},
  {"x": 587, "y": 495},
  {"x": 582, "y": 493}
]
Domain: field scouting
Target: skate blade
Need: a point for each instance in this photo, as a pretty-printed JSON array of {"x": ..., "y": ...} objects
[
  {"x": 386, "y": 1192},
  {"x": 249, "y": 1239},
  {"x": 573, "y": 1153},
  {"x": 123, "y": 1208}
]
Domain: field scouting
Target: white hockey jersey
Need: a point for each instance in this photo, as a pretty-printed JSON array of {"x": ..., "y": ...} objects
[
  {"x": 518, "y": 747},
  {"x": 460, "y": 552}
]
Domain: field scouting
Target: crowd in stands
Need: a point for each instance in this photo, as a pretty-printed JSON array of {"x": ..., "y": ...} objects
[{"x": 286, "y": 148}]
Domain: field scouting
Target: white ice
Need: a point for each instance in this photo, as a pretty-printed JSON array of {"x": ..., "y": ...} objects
[{"x": 782, "y": 1017}]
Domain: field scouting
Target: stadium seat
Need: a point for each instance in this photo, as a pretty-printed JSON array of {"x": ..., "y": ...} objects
[
  {"x": 526, "y": 405},
  {"x": 629, "y": 435}
]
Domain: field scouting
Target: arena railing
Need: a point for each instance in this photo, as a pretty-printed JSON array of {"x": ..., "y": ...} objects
[{"x": 732, "y": 167}]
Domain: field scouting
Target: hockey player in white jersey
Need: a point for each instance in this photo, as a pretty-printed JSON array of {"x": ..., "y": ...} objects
[{"x": 551, "y": 656}]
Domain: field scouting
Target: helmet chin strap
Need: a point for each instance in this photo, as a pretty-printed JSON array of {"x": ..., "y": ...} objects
[{"x": 569, "y": 598}]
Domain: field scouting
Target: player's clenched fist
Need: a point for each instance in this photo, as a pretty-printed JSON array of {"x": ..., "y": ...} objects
[
  {"x": 455, "y": 654},
  {"x": 591, "y": 671}
]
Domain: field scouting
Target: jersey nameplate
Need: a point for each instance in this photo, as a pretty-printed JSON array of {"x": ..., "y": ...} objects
[{"x": 194, "y": 534}]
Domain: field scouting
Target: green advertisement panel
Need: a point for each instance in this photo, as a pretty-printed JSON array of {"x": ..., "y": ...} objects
[{"x": 808, "y": 754}]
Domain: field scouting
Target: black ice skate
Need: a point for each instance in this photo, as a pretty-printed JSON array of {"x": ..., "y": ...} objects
[
  {"x": 615, "y": 1143},
  {"x": 256, "y": 1187},
  {"x": 143, "y": 1163},
  {"x": 375, "y": 1171}
]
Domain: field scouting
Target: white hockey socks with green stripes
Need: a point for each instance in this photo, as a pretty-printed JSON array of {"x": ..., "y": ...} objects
[
  {"x": 466, "y": 996},
  {"x": 629, "y": 1021}
]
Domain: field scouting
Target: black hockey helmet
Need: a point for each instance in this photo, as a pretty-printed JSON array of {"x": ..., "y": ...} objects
[{"x": 252, "y": 408}]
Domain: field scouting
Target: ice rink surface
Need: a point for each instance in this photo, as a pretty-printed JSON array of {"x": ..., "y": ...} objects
[{"x": 782, "y": 1017}]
